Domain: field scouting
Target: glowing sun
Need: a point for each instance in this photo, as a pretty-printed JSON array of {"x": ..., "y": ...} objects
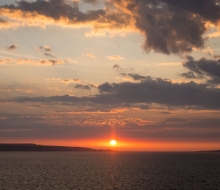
[{"x": 113, "y": 142}]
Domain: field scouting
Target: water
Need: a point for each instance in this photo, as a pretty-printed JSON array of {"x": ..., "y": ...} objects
[{"x": 109, "y": 170}]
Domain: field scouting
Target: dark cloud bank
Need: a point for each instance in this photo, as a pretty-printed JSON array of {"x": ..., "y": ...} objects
[
  {"x": 148, "y": 91},
  {"x": 169, "y": 26}
]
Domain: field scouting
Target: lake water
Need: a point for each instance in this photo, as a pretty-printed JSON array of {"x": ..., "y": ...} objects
[{"x": 109, "y": 170}]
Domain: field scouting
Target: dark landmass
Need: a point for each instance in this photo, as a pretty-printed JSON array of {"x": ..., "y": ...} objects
[
  {"x": 209, "y": 151},
  {"x": 34, "y": 147}
]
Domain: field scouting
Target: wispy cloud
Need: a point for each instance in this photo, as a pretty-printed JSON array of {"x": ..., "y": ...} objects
[
  {"x": 66, "y": 81},
  {"x": 49, "y": 54},
  {"x": 33, "y": 62},
  {"x": 114, "y": 57},
  {"x": 169, "y": 64}
]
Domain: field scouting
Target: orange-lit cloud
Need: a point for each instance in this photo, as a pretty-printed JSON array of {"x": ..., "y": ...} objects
[
  {"x": 90, "y": 55},
  {"x": 5, "y": 90},
  {"x": 169, "y": 64},
  {"x": 114, "y": 57},
  {"x": 66, "y": 81},
  {"x": 24, "y": 90},
  {"x": 161, "y": 35},
  {"x": 213, "y": 34}
]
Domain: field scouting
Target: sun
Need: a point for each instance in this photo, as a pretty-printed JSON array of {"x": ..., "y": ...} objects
[{"x": 113, "y": 142}]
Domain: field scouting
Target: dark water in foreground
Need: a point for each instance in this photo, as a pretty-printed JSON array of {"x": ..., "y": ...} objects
[{"x": 109, "y": 170}]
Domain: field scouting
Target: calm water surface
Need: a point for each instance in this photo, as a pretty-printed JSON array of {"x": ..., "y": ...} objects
[{"x": 109, "y": 170}]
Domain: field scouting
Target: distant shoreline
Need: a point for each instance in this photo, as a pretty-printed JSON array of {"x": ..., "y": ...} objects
[
  {"x": 35, "y": 147},
  {"x": 208, "y": 151}
]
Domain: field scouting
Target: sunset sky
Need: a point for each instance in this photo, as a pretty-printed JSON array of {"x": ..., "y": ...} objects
[{"x": 143, "y": 72}]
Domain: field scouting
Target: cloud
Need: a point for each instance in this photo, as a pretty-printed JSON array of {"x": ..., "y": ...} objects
[
  {"x": 114, "y": 57},
  {"x": 94, "y": 2},
  {"x": 2, "y": 21},
  {"x": 213, "y": 35},
  {"x": 134, "y": 76},
  {"x": 24, "y": 90},
  {"x": 49, "y": 54},
  {"x": 161, "y": 92},
  {"x": 33, "y": 62},
  {"x": 116, "y": 66},
  {"x": 165, "y": 113},
  {"x": 189, "y": 75},
  {"x": 12, "y": 47},
  {"x": 47, "y": 48},
  {"x": 146, "y": 92},
  {"x": 67, "y": 81},
  {"x": 90, "y": 55},
  {"x": 5, "y": 90},
  {"x": 169, "y": 64},
  {"x": 52, "y": 62},
  {"x": 48, "y": 12},
  {"x": 83, "y": 87},
  {"x": 5, "y": 25},
  {"x": 4, "y": 61},
  {"x": 208, "y": 50},
  {"x": 168, "y": 26},
  {"x": 216, "y": 57},
  {"x": 14, "y": 89},
  {"x": 48, "y": 127},
  {"x": 203, "y": 68},
  {"x": 208, "y": 10},
  {"x": 164, "y": 22}
]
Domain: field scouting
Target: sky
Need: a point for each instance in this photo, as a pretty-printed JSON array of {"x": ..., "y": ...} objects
[{"x": 143, "y": 72}]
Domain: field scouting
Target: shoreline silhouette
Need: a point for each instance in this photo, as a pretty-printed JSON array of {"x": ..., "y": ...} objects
[{"x": 35, "y": 147}]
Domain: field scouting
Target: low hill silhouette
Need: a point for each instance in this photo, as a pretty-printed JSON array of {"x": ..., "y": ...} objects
[{"x": 35, "y": 147}]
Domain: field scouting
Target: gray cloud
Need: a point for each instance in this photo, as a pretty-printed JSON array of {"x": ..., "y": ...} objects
[
  {"x": 165, "y": 113},
  {"x": 162, "y": 92},
  {"x": 168, "y": 26},
  {"x": 189, "y": 75},
  {"x": 2, "y": 21},
  {"x": 83, "y": 87},
  {"x": 149, "y": 91},
  {"x": 208, "y": 10},
  {"x": 116, "y": 66},
  {"x": 136, "y": 76},
  {"x": 49, "y": 54},
  {"x": 56, "y": 9},
  {"x": 203, "y": 68},
  {"x": 216, "y": 57},
  {"x": 12, "y": 47},
  {"x": 94, "y": 2},
  {"x": 52, "y": 62}
]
